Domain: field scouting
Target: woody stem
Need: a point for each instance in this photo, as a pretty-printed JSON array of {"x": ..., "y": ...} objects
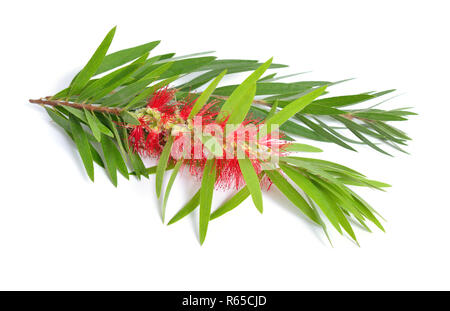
[{"x": 49, "y": 102}]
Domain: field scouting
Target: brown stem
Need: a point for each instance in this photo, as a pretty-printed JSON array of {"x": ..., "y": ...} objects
[{"x": 49, "y": 102}]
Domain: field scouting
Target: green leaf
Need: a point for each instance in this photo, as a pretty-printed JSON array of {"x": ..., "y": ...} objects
[
  {"x": 320, "y": 131},
  {"x": 135, "y": 159},
  {"x": 206, "y": 194},
  {"x": 379, "y": 116},
  {"x": 368, "y": 142},
  {"x": 93, "y": 124},
  {"x": 216, "y": 67},
  {"x": 268, "y": 77},
  {"x": 293, "y": 108},
  {"x": 266, "y": 88},
  {"x": 82, "y": 78},
  {"x": 169, "y": 187},
  {"x": 288, "y": 126},
  {"x": 236, "y": 64},
  {"x": 180, "y": 66},
  {"x": 232, "y": 203},
  {"x": 331, "y": 130},
  {"x": 297, "y": 147},
  {"x": 187, "y": 209},
  {"x": 357, "y": 127},
  {"x": 321, "y": 110},
  {"x": 105, "y": 85},
  {"x": 327, "y": 165},
  {"x": 252, "y": 182},
  {"x": 147, "y": 92},
  {"x": 64, "y": 123},
  {"x": 273, "y": 110},
  {"x": 126, "y": 93},
  {"x": 341, "y": 101},
  {"x": 334, "y": 201},
  {"x": 129, "y": 118},
  {"x": 289, "y": 191},
  {"x": 316, "y": 170},
  {"x": 121, "y": 57},
  {"x": 392, "y": 130},
  {"x": 201, "y": 101},
  {"x": 212, "y": 144},
  {"x": 83, "y": 146},
  {"x": 183, "y": 56},
  {"x": 239, "y": 102},
  {"x": 138, "y": 165},
  {"x": 162, "y": 164},
  {"x": 308, "y": 187},
  {"x": 108, "y": 150}
]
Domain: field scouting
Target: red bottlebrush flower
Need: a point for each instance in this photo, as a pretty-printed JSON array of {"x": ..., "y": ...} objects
[
  {"x": 164, "y": 116},
  {"x": 136, "y": 136},
  {"x": 161, "y": 99}
]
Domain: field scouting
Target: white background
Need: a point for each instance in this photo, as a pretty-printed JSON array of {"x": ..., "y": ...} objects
[{"x": 60, "y": 231}]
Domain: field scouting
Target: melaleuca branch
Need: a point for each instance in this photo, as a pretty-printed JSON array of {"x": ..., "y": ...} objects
[{"x": 141, "y": 115}]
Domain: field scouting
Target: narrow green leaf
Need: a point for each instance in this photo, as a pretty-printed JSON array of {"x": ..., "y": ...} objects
[
  {"x": 93, "y": 124},
  {"x": 187, "y": 209},
  {"x": 201, "y": 101},
  {"x": 379, "y": 116},
  {"x": 266, "y": 88},
  {"x": 147, "y": 92},
  {"x": 332, "y": 131},
  {"x": 64, "y": 123},
  {"x": 135, "y": 159},
  {"x": 273, "y": 110},
  {"x": 357, "y": 127},
  {"x": 293, "y": 108},
  {"x": 368, "y": 142},
  {"x": 121, "y": 57},
  {"x": 206, "y": 195},
  {"x": 321, "y": 110},
  {"x": 289, "y": 191},
  {"x": 80, "y": 115},
  {"x": 180, "y": 66},
  {"x": 297, "y": 147},
  {"x": 82, "y": 78},
  {"x": 172, "y": 58},
  {"x": 237, "y": 105},
  {"x": 108, "y": 150},
  {"x": 237, "y": 64},
  {"x": 327, "y": 165},
  {"x": 169, "y": 187},
  {"x": 105, "y": 85},
  {"x": 268, "y": 77},
  {"x": 252, "y": 182},
  {"x": 83, "y": 146},
  {"x": 308, "y": 187},
  {"x": 162, "y": 164},
  {"x": 129, "y": 118},
  {"x": 126, "y": 93},
  {"x": 320, "y": 131},
  {"x": 232, "y": 203},
  {"x": 392, "y": 130},
  {"x": 341, "y": 101},
  {"x": 288, "y": 126}
]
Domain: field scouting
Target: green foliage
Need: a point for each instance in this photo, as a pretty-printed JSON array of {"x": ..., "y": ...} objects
[
  {"x": 252, "y": 181},
  {"x": 319, "y": 189},
  {"x": 206, "y": 195}
]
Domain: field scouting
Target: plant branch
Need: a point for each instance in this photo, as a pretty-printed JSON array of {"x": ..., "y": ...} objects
[{"x": 49, "y": 102}]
